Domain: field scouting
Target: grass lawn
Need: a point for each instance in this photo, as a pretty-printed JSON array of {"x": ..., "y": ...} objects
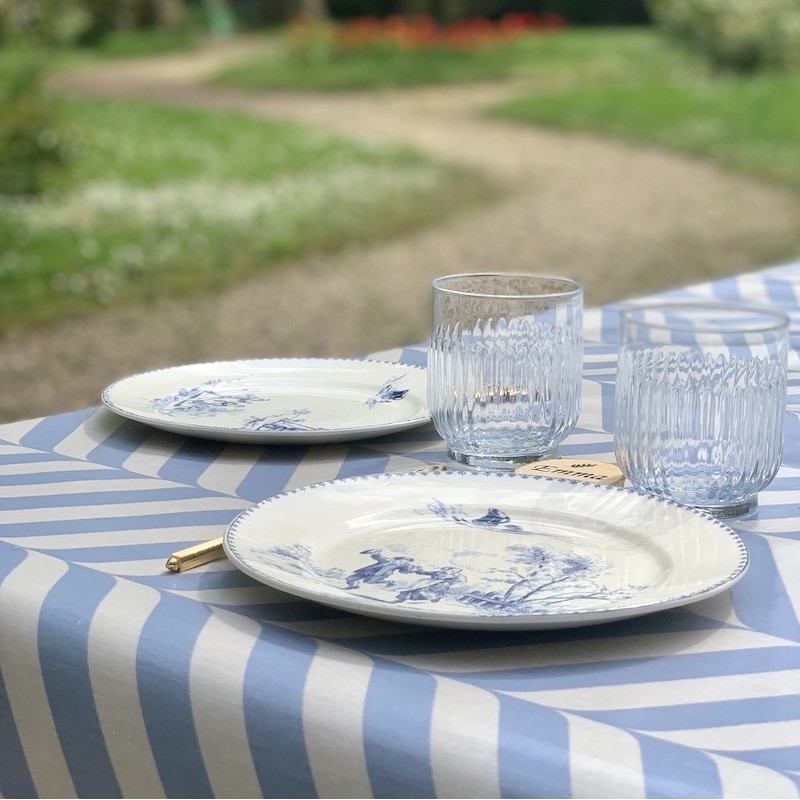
[
  {"x": 162, "y": 200},
  {"x": 600, "y": 84}
]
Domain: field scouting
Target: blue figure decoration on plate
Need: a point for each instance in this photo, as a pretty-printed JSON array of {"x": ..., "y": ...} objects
[
  {"x": 388, "y": 393},
  {"x": 518, "y": 578}
]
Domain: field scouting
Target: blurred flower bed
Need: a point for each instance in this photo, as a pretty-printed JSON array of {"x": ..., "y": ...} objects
[
  {"x": 418, "y": 33},
  {"x": 742, "y": 35}
]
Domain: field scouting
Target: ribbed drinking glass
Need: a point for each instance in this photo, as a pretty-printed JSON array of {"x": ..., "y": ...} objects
[
  {"x": 504, "y": 367},
  {"x": 701, "y": 397}
]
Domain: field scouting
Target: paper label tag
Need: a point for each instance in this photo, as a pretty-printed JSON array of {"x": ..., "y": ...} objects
[{"x": 575, "y": 469}]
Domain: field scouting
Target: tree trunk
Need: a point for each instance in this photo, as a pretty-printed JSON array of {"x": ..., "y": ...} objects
[
  {"x": 451, "y": 10},
  {"x": 315, "y": 9},
  {"x": 417, "y": 8},
  {"x": 169, "y": 13}
]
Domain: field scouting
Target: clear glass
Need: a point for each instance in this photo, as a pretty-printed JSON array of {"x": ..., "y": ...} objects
[
  {"x": 700, "y": 402},
  {"x": 504, "y": 367}
]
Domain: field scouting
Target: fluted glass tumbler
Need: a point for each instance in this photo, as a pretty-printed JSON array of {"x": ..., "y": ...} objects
[
  {"x": 504, "y": 366},
  {"x": 701, "y": 396}
]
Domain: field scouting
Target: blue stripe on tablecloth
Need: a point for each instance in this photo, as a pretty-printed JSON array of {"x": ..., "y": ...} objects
[
  {"x": 674, "y": 770},
  {"x": 609, "y": 325},
  {"x": 791, "y": 441},
  {"x": 66, "y": 476},
  {"x": 163, "y": 661},
  {"x": 15, "y": 777},
  {"x": 760, "y": 598},
  {"x": 271, "y": 473},
  {"x": 69, "y": 606},
  {"x": 713, "y": 714},
  {"x": 410, "y": 355},
  {"x": 191, "y": 460},
  {"x": 781, "y": 292},
  {"x": 644, "y": 669},
  {"x": 299, "y": 611},
  {"x": 109, "y": 524},
  {"x": 362, "y": 461},
  {"x": 273, "y": 707},
  {"x": 120, "y": 444},
  {"x": 51, "y": 431},
  {"x": 727, "y": 289},
  {"x": 97, "y": 498},
  {"x": 436, "y": 640},
  {"x": 10, "y": 459},
  {"x": 533, "y": 750},
  {"x": 397, "y": 714}
]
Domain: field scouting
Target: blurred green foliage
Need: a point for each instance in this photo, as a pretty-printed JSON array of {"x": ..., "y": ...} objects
[
  {"x": 31, "y": 144},
  {"x": 740, "y": 35}
]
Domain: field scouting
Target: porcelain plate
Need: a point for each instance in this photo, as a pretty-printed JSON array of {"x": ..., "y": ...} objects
[
  {"x": 485, "y": 550},
  {"x": 279, "y": 401}
]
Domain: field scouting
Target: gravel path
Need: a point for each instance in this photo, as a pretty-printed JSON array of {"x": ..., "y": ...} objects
[{"x": 622, "y": 220}]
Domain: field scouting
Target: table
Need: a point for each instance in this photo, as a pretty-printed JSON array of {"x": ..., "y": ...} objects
[{"x": 121, "y": 679}]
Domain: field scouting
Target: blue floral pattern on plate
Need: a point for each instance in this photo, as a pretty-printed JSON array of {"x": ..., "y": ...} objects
[
  {"x": 388, "y": 393},
  {"x": 209, "y": 398},
  {"x": 282, "y": 421}
]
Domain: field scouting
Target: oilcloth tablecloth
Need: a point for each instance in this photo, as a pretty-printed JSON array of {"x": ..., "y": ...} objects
[{"x": 119, "y": 679}]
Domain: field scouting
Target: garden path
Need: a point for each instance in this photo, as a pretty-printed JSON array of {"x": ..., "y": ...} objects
[{"x": 622, "y": 220}]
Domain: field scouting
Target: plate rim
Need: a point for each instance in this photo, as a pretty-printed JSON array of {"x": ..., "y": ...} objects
[
  {"x": 427, "y": 616},
  {"x": 263, "y": 436}
]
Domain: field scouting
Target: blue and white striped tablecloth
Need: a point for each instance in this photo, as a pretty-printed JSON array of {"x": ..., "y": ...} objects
[{"x": 121, "y": 679}]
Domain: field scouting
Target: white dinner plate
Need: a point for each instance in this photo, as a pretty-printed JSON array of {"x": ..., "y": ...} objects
[
  {"x": 484, "y": 550},
  {"x": 278, "y": 401}
]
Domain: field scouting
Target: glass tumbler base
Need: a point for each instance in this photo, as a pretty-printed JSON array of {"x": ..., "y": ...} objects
[
  {"x": 498, "y": 462},
  {"x": 731, "y": 512}
]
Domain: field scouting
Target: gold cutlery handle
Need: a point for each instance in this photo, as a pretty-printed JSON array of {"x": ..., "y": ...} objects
[{"x": 196, "y": 555}]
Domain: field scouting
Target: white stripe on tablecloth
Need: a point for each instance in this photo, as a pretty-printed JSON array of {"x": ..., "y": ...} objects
[
  {"x": 747, "y": 736},
  {"x": 786, "y": 553},
  {"x": 720, "y": 607},
  {"x": 216, "y": 677},
  {"x": 112, "y": 649},
  {"x": 122, "y": 484},
  {"x": 14, "y": 431},
  {"x": 151, "y": 566},
  {"x": 226, "y": 472},
  {"x": 114, "y": 511},
  {"x": 586, "y": 651},
  {"x": 742, "y": 779},
  {"x": 604, "y": 761},
  {"x": 591, "y": 406},
  {"x": 712, "y": 689},
  {"x": 319, "y": 464},
  {"x": 21, "y": 596},
  {"x": 333, "y": 714},
  {"x": 165, "y": 535},
  {"x": 403, "y": 464},
  {"x": 151, "y": 455},
  {"x": 785, "y": 525},
  {"x": 464, "y": 722},
  {"x": 18, "y": 449},
  {"x": 754, "y": 289},
  {"x": 92, "y": 432}
]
